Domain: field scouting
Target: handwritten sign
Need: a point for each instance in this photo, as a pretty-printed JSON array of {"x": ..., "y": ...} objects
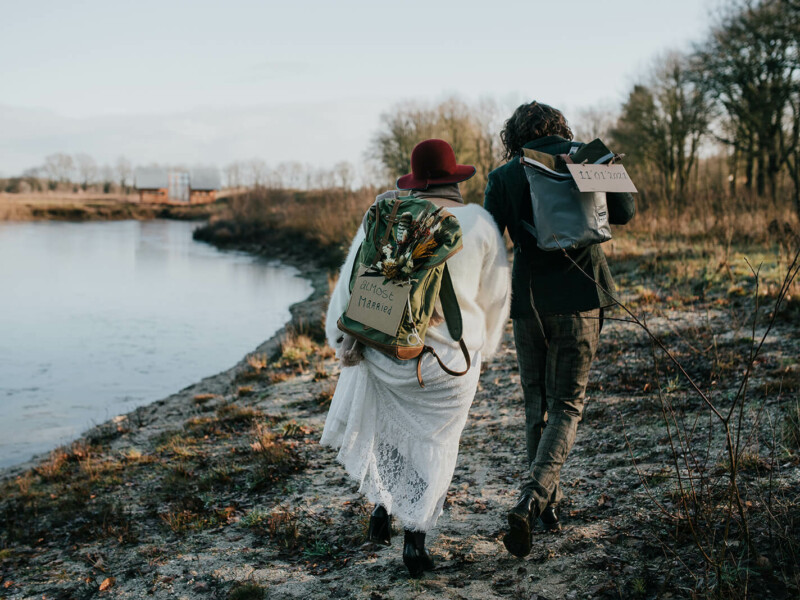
[
  {"x": 601, "y": 178},
  {"x": 377, "y": 304}
]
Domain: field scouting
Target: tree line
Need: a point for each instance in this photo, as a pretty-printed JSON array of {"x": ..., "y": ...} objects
[
  {"x": 721, "y": 117},
  {"x": 75, "y": 172},
  {"x": 718, "y": 121},
  {"x": 739, "y": 89},
  {"x": 291, "y": 175},
  {"x": 71, "y": 173}
]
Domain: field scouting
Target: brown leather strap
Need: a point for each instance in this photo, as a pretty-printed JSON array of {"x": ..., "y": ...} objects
[
  {"x": 539, "y": 321},
  {"x": 444, "y": 367},
  {"x": 390, "y": 223},
  {"x": 375, "y": 241}
]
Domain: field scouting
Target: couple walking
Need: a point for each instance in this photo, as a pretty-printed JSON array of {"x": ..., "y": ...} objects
[{"x": 399, "y": 440}]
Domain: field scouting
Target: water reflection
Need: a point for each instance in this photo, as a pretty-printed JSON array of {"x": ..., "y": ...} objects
[{"x": 98, "y": 318}]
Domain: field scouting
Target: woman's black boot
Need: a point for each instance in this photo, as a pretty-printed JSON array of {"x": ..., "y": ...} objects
[
  {"x": 415, "y": 556},
  {"x": 380, "y": 527}
]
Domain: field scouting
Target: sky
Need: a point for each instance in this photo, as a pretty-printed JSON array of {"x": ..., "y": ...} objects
[{"x": 209, "y": 83}]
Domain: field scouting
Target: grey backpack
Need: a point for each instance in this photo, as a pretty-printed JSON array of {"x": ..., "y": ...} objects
[{"x": 563, "y": 216}]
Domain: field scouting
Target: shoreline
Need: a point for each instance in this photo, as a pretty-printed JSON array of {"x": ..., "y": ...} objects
[
  {"x": 305, "y": 315},
  {"x": 99, "y": 208}
]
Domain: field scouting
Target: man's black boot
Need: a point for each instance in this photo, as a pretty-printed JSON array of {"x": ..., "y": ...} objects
[
  {"x": 549, "y": 519},
  {"x": 380, "y": 527},
  {"x": 520, "y": 524}
]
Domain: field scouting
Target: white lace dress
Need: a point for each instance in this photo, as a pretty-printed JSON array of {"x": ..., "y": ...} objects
[{"x": 400, "y": 441}]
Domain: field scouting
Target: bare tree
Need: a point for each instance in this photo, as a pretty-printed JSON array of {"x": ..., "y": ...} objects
[
  {"x": 257, "y": 169},
  {"x": 276, "y": 179},
  {"x": 455, "y": 123},
  {"x": 345, "y": 174},
  {"x": 750, "y": 65},
  {"x": 87, "y": 169},
  {"x": 124, "y": 172},
  {"x": 488, "y": 150},
  {"x": 791, "y": 141},
  {"x": 234, "y": 175},
  {"x": 59, "y": 168},
  {"x": 662, "y": 124},
  {"x": 293, "y": 175},
  {"x": 401, "y": 129},
  {"x": 594, "y": 122},
  {"x": 470, "y": 130},
  {"x": 107, "y": 174}
]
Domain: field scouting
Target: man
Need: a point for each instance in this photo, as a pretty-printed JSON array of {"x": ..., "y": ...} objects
[{"x": 557, "y": 312}]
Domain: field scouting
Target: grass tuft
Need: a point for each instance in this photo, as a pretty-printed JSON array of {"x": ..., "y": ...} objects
[
  {"x": 274, "y": 457},
  {"x": 247, "y": 591},
  {"x": 791, "y": 427},
  {"x": 204, "y": 398}
]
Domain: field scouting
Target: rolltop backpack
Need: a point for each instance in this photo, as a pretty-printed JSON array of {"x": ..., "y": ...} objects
[{"x": 565, "y": 218}]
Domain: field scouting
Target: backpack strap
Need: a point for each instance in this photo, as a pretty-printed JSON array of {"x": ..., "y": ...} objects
[
  {"x": 455, "y": 325},
  {"x": 529, "y": 228},
  {"x": 538, "y": 320},
  {"x": 450, "y": 307},
  {"x": 390, "y": 222},
  {"x": 444, "y": 367}
]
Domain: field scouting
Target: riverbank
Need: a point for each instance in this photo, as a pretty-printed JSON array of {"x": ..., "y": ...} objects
[
  {"x": 222, "y": 490},
  {"x": 86, "y": 207}
]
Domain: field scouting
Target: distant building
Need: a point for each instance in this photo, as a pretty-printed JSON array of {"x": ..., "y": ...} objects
[
  {"x": 152, "y": 184},
  {"x": 172, "y": 186},
  {"x": 203, "y": 186}
]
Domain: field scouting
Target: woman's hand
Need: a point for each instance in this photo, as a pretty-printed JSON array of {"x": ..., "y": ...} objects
[{"x": 352, "y": 351}]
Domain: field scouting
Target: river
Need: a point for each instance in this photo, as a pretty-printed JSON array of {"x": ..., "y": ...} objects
[{"x": 99, "y": 318}]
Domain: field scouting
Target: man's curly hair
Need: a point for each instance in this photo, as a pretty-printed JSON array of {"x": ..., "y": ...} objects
[{"x": 529, "y": 122}]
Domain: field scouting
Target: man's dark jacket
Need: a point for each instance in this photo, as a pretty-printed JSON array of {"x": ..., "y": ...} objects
[{"x": 556, "y": 285}]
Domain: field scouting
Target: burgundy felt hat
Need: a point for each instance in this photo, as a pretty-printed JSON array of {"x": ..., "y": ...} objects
[{"x": 433, "y": 162}]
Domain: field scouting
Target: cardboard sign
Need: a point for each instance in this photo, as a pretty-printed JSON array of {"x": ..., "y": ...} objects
[
  {"x": 377, "y": 304},
  {"x": 601, "y": 178}
]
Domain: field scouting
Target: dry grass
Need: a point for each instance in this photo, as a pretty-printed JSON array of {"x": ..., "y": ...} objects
[
  {"x": 61, "y": 460},
  {"x": 92, "y": 206},
  {"x": 257, "y": 362},
  {"x": 61, "y": 197},
  {"x": 203, "y": 398},
  {"x": 718, "y": 220},
  {"x": 244, "y": 390},
  {"x": 24, "y": 207},
  {"x": 298, "y": 353},
  {"x": 325, "y": 395},
  {"x": 179, "y": 445},
  {"x": 327, "y": 217},
  {"x": 790, "y": 433},
  {"x": 283, "y": 527},
  {"x": 296, "y": 348},
  {"x": 234, "y": 414},
  {"x": 255, "y": 367},
  {"x": 247, "y": 591},
  {"x": 273, "y": 456},
  {"x": 136, "y": 456},
  {"x": 316, "y": 224}
]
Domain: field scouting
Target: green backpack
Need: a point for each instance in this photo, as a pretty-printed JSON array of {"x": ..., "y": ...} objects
[{"x": 397, "y": 276}]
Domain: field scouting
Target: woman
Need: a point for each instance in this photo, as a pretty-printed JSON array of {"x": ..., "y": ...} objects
[{"x": 399, "y": 441}]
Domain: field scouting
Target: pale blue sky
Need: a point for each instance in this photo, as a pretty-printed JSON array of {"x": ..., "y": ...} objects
[{"x": 212, "y": 82}]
